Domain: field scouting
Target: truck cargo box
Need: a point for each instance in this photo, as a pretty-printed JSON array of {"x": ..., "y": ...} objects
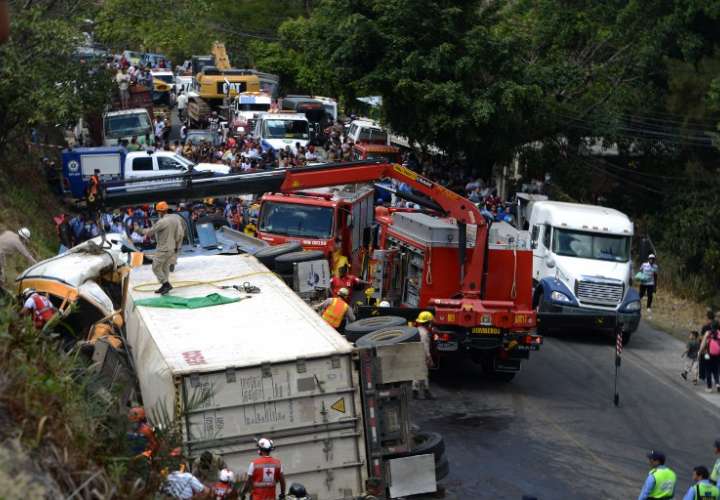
[{"x": 273, "y": 367}]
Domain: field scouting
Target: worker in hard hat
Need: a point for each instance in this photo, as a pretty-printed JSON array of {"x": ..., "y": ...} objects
[
  {"x": 337, "y": 258},
  {"x": 345, "y": 280},
  {"x": 143, "y": 442},
  {"x": 169, "y": 232},
  {"x": 264, "y": 474},
  {"x": 38, "y": 306},
  {"x": 13, "y": 243},
  {"x": 423, "y": 323},
  {"x": 336, "y": 310},
  {"x": 224, "y": 488}
]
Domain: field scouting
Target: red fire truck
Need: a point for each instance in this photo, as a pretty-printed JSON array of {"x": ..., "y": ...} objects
[{"x": 476, "y": 279}]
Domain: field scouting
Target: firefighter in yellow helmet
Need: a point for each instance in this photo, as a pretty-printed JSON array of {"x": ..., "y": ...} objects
[
  {"x": 169, "y": 232},
  {"x": 423, "y": 323},
  {"x": 335, "y": 310}
]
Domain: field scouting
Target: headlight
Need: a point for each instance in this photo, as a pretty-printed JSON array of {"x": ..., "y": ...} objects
[
  {"x": 560, "y": 297},
  {"x": 633, "y": 306}
]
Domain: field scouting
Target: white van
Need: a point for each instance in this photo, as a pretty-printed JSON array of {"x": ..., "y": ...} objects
[
  {"x": 278, "y": 130},
  {"x": 582, "y": 267},
  {"x": 367, "y": 132}
]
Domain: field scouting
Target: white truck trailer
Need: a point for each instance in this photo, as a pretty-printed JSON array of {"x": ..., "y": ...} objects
[{"x": 275, "y": 369}]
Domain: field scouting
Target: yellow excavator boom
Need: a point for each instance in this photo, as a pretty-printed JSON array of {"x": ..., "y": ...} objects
[{"x": 222, "y": 61}]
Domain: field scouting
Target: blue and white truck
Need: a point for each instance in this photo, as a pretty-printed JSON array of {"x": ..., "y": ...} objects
[
  {"x": 582, "y": 267},
  {"x": 118, "y": 164}
]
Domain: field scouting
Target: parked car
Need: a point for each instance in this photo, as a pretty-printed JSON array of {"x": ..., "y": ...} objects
[{"x": 197, "y": 136}]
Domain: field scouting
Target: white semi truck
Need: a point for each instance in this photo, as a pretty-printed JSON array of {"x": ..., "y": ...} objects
[
  {"x": 582, "y": 267},
  {"x": 273, "y": 368}
]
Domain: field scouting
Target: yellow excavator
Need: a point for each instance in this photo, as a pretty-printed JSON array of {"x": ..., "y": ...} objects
[{"x": 215, "y": 84}]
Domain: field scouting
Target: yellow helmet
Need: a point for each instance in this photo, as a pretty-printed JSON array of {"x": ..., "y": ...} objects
[{"x": 425, "y": 317}]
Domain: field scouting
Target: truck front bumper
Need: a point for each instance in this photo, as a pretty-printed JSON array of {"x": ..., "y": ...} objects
[{"x": 583, "y": 318}]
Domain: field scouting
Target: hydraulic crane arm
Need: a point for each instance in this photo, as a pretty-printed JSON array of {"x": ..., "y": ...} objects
[{"x": 327, "y": 174}]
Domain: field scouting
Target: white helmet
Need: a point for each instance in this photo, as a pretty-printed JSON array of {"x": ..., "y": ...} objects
[
  {"x": 344, "y": 292},
  {"x": 226, "y": 476},
  {"x": 264, "y": 444},
  {"x": 28, "y": 292},
  {"x": 384, "y": 303},
  {"x": 24, "y": 233}
]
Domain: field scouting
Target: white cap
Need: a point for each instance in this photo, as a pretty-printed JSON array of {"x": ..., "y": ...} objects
[
  {"x": 384, "y": 303},
  {"x": 24, "y": 233},
  {"x": 651, "y": 256},
  {"x": 265, "y": 444},
  {"x": 226, "y": 476}
]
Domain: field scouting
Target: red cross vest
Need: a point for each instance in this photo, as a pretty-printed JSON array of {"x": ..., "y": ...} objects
[
  {"x": 44, "y": 310},
  {"x": 266, "y": 473}
]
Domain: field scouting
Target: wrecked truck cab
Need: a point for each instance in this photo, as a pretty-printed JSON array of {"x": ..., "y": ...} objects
[{"x": 86, "y": 283}]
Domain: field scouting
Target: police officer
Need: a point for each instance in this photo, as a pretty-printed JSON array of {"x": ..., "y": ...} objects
[
  {"x": 702, "y": 488},
  {"x": 716, "y": 467},
  {"x": 264, "y": 473},
  {"x": 661, "y": 480}
]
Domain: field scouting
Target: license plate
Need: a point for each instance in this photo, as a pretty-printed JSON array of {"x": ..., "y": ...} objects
[
  {"x": 486, "y": 330},
  {"x": 450, "y": 345}
]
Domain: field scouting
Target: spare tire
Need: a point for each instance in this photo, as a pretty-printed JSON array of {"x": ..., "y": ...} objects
[
  {"x": 442, "y": 468},
  {"x": 284, "y": 263},
  {"x": 389, "y": 336},
  {"x": 267, "y": 255},
  {"x": 356, "y": 329}
]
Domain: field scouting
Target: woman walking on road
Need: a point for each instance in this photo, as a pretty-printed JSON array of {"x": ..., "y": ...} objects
[{"x": 710, "y": 350}]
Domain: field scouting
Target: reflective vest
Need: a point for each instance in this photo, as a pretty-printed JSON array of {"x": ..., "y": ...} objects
[
  {"x": 335, "y": 312},
  {"x": 704, "y": 491},
  {"x": 664, "y": 483},
  {"x": 715, "y": 471},
  {"x": 266, "y": 474},
  {"x": 44, "y": 310}
]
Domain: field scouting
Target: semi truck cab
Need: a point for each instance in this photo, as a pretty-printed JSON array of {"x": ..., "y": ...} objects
[{"x": 582, "y": 267}]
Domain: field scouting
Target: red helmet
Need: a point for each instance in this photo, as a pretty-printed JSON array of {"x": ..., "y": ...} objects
[{"x": 136, "y": 414}]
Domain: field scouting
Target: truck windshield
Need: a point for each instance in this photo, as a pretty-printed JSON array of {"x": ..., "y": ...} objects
[
  {"x": 165, "y": 78},
  {"x": 286, "y": 129},
  {"x": 245, "y": 106},
  {"x": 125, "y": 125},
  {"x": 374, "y": 135},
  {"x": 292, "y": 219},
  {"x": 591, "y": 245}
]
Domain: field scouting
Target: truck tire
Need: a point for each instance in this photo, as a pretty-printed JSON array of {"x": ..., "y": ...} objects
[
  {"x": 425, "y": 443},
  {"x": 267, "y": 255},
  {"x": 356, "y": 329},
  {"x": 389, "y": 336},
  {"x": 442, "y": 468},
  {"x": 284, "y": 263}
]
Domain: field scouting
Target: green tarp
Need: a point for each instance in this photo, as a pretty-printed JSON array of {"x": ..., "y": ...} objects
[{"x": 173, "y": 302}]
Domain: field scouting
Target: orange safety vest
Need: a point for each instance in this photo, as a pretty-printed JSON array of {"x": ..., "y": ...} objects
[
  {"x": 335, "y": 312},
  {"x": 44, "y": 310},
  {"x": 266, "y": 474}
]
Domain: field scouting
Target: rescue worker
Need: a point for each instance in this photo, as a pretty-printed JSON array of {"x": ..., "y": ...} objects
[
  {"x": 715, "y": 473},
  {"x": 169, "y": 232},
  {"x": 702, "y": 488},
  {"x": 336, "y": 309},
  {"x": 263, "y": 474},
  {"x": 12, "y": 243},
  {"x": 224, "y": 488},
  {"x": 337, "y": 258},
  {"x": 345, "y": 280},
  {"x": 207, "y": 467},
  {"x": 251, "y": 228},
  {"x": 660, "y": 482},
  {"x": 422, "y": 323},
  {"x": 141, "y": 435},
  {"x": 39, "y": 306},
  {"x": 93, "y": 195}
]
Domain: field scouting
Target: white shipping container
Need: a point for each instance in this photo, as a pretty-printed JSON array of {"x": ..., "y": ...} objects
[{"x": 273, "y": 366}]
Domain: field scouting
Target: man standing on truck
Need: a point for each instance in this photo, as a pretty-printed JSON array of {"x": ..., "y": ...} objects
[
  {"x": 123, "y": 83},
  {"x": 648, "y": 282},
  {"x": 263, "y": 474},
  {"x": 169, "y": 232},
  {"x": 336, "y": 309}
]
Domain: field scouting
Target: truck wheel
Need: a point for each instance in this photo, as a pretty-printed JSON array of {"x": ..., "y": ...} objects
[
  {"x": 357, "y": 329},
  {"x": 442, "y": 468},
  {"x": 425, "y": 443},
  {"x": 284, "y": 263},
  {"x": 389, "y": 336},
  {"x": 267, "y": 255}
]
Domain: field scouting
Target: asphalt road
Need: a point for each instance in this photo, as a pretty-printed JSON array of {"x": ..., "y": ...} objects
[{"x": 554, "y": 432}]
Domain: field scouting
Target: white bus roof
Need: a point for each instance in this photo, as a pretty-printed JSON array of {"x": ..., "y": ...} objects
[
  {"x": 284, "y": 116},
  {"x": 581, "y": 217},
  {"x": 133, "y": 111},
  {"x": 272, "y": 326}
]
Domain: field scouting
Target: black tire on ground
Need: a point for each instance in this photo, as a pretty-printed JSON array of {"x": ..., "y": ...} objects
[
  {"x": 267, "y": 255},
  {"x": 389, "y": 336},
  {"x": 284, "y": 263},
  {"x": 357, "y": 329},
  {"x": 442, "y": 468}
]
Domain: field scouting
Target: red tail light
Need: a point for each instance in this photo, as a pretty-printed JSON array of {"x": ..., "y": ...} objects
[
  {"x": 533, "y": 339},
  {"x": 443, "y": 336}
]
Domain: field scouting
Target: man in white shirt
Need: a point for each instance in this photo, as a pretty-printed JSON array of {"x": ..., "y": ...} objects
[{"x": 182, "y": 101}]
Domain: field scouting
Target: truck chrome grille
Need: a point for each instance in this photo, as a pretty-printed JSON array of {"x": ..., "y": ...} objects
[{"x": 605, "y": 294}]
